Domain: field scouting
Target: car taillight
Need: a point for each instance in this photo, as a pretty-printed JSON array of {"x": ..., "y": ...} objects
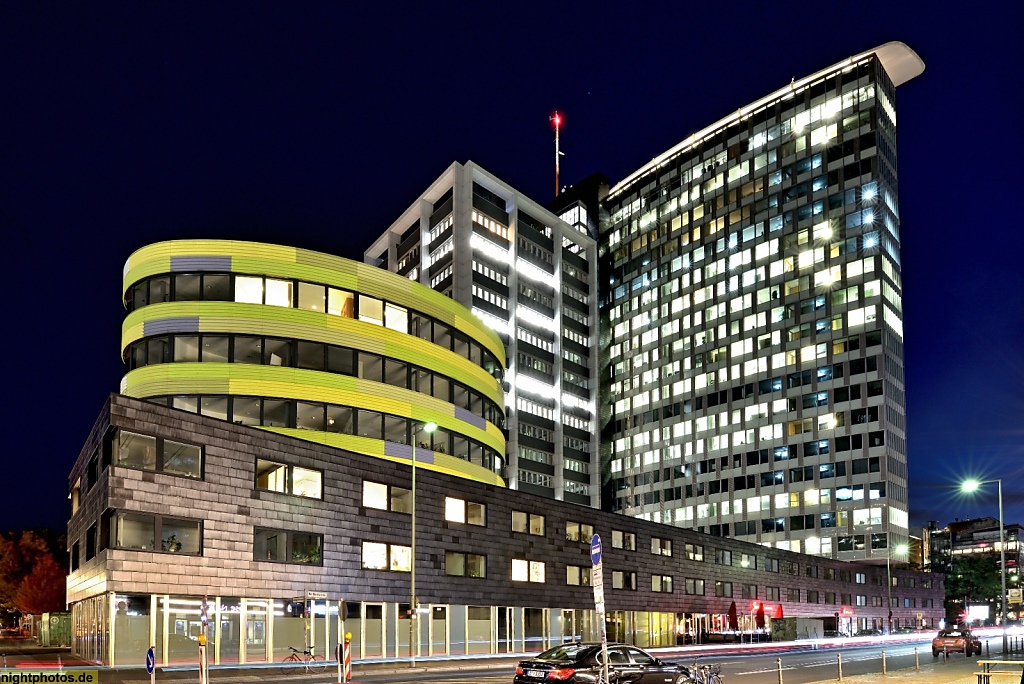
[
  {"x": 561, "y": 674},
  {"x": 519, "y": 670}
]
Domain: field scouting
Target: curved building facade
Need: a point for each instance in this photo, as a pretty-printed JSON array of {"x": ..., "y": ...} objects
[{"x": 316, "y": 347}]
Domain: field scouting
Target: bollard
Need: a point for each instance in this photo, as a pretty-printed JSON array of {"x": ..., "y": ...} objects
[
  {"x": 884, "y": 671},
  {"x": 988, "y": 651},
  {"x": 917, "y": 661},
  {"x": 778, "y": 662},
  {"x": 945, "y": 654},
  {"x": 839, "y": 659}
]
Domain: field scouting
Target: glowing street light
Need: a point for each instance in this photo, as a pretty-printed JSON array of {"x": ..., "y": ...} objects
[
  {"x": 414, "y": 622},
  {"x": 969, "y": 487},
  {"x": 900, "y": 549}
]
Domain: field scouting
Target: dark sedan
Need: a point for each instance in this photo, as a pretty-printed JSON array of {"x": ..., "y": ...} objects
[{"x": 577, "y": 663}]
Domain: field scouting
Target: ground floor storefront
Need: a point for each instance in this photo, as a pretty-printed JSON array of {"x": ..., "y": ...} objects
[{"x": 117, "y": 629}]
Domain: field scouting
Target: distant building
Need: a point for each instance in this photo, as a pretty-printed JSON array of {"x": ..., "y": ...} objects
[
  {"x": 753, "y": 338},
  {"x": 532, "y": 278},
  {"x": 962, "y": 537}
]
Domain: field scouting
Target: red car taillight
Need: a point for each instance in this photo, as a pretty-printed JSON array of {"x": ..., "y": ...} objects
[
  {"x": 561, "y": 674},
  {"x": 519, "y": 671}
]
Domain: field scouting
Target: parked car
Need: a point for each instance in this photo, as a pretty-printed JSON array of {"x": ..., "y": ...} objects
[
  {"x": 579, "y": 663},
  {"x": 869, "y": 632},
  {"x": 956, "y": 640}
]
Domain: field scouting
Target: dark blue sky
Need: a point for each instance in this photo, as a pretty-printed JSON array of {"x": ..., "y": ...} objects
[{"x": 314, "y": 125}]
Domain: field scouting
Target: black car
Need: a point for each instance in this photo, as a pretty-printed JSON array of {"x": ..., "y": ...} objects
[{"x": 579, "y": 662}]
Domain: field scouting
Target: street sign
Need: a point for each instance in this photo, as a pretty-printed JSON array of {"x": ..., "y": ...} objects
[
  {"x": 595, "y": 549},
  {"x": 150, "y": 660},
  {"x": 1014, "y": 596},
  {"x": 316, "y": 595}
]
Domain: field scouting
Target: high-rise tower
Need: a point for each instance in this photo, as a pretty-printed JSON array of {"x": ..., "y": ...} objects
[
  {"x": 753, "y": 321},
  {"x": 531, "y": 277}
]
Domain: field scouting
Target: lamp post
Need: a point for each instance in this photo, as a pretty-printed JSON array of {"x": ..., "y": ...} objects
[
  {"x": 970, "y": 486},
  {"x": 900, "y": 549},
  {"x": 414, "y": 632}
]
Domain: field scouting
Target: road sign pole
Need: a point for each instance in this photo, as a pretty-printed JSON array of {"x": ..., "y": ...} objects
[{"x": 597, "y": 581}]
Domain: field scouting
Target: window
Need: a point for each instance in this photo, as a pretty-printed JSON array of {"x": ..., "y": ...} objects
[
  {"x": 812, "y": 596},
  {"x": 861, "y": 578},
  {"x": 577, "y": 575},
  {"x": 133, "y": 450},
  {"x": 462, "y": 511},
  {"x": 661, "y": 584},
  {"x": 748, "y": 591},
  {"x": 380, "y": 556},
  {"x": 695, "y": 552},
  {"x": 723, "y": 557},
  {"x": 723, "y": 589},
  {"x": 771, "y": 564},
  {"x": 154, "y": 533},
  {"x": 793, "y": 595},
  {"x": 386, "y": 498},
  {"x": 459, "y": 564},
  {"x": 623, "y": 540},
  {"x": 623, "y": 580},
  {"x": 771, "y": 593},
  {"x": 530, "y": 523},
  {"x": 748, "y": 560},
  {"x": 580, "y": 532},
  {"x": 661, "y": 547},
  {"x": 694, "y": 587},
  {"x": 527, "y": 571},
  {"x": 287, "y": 479}
]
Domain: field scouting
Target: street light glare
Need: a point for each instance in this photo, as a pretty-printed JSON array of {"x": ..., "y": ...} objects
[
  {"x": 901, "y": 548},
  {"x": 429, "y": 427},
  {"x": 969, "y": 486}
]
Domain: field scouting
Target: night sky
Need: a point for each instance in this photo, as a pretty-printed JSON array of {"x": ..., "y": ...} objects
[{"x": 315, "y": 125}]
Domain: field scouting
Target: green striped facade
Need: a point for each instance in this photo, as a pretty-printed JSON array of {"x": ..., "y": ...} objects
[{"x": 235, "y": 379}]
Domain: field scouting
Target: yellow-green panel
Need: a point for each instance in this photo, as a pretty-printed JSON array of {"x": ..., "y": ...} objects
[
  {"x": 257, "y": 319},
  {"x": 289, "y": 262},
  {"x": 304, "y": 385}
]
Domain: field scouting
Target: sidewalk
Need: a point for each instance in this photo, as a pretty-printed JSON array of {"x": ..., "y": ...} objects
[{"x": 957, "y": 670}]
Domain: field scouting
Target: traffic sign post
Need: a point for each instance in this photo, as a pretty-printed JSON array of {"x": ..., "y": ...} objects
[
  {"x": 151, "y": 664},
  {"x": 597, "y": 581}
]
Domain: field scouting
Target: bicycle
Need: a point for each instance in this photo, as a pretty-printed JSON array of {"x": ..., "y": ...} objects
[
  {"x": 706, "y": 674},
  {"x": 311, "y": 662}
]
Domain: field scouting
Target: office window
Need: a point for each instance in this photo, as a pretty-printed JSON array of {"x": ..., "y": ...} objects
[
  {"x": 661, "y": 547},
  {"x": 694, "y": 587},
  {"x": 580, "y": 532},
  {"x": 695, "y": 552},
  {"x": 723, "y": 589},
  {"x": 623, "y": 540},
  {"x": 528, "y": 570},
  {"x": 723, "y": 557},
  {"x": 661, "y": 584},
  {"x": 529, "y": 523},
  {"x": 460, "y": 564},
  {"x": 380, "y": 556},
  {"x": 467, "y": 512},
  {"x": 771, "y": 564},
  {"x": 749, "y": 591},
  {"x": 285, "y": 546},
  {"x": 771, "y": 593},
  {"x": 861, "y": 578},
  {"x": 793, "y": 595},
  {"x": 623, "y": 580},
  {"x": 386, "y": 498},
  {"x": 812, "y": 596},
  {"x": 748, "y": 560},
  {"x": 126, "y": 530},
  {"x": 577, "y": 575},
  {"x": 287, "y": 479}
]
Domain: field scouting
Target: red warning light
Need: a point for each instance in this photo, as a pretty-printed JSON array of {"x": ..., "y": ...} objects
[{"x": 556, "y": 119}]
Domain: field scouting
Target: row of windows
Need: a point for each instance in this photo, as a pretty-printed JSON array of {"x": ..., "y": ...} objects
[
  {"x": 229, "y": 287},
  {"x": 289, "y": 413},
  {"x": 274, "y": 351}
]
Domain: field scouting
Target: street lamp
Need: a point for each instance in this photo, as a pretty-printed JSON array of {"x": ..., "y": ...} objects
[
  {"x": 900, "y": 549},
  {"x": 414, "y": 623},
  {"x": 968, "y": 487}
]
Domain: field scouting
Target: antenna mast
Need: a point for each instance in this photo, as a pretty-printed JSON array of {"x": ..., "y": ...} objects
[{"x": 556, "y": 119}]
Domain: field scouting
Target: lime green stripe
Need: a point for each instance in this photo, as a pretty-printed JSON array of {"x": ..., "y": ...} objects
[
  {"x": 256, "y": 319},
  {"x": 288, "y": 262},
  {"x": 304, "y": 385},
  {"x": 443, "y": 463}
]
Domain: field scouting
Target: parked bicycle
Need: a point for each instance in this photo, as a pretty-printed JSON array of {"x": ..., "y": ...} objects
[
  {"x": 310, "y": 661},
  {"x": 706, "y": 674}
]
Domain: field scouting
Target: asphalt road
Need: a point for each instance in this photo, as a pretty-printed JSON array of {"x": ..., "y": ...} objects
[{"x": 797, "y": 668}]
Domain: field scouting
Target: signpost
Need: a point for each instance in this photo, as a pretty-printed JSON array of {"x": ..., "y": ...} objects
[
  {"x": 597, "y": 581},
  {"x": 151, "y": 664},
  {"x": 204, "y": 672}
]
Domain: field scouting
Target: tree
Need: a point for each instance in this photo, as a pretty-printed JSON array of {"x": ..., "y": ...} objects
[
  {"x": 44, "y": 590},
  {"x": 973, "y": 578}
]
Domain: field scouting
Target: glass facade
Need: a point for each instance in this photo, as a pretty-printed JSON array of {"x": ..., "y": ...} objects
[{"x": 753, "y": 325}]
